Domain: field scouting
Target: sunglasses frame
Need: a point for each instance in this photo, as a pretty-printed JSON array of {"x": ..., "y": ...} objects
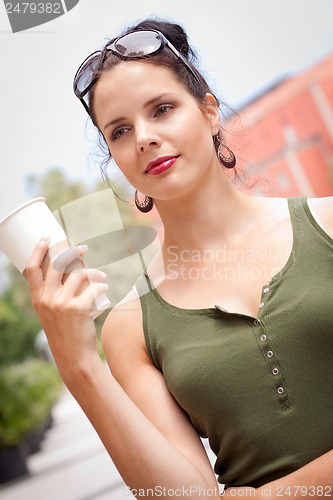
[{"x": 164, "y": 42}]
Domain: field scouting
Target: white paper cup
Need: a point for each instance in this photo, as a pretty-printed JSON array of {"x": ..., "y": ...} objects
[{"x": 21, "y": 230}]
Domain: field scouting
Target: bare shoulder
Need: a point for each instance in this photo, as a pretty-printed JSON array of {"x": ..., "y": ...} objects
[
  {"x": 324, "y": 211},
  {"x": 270, "y": 204},
  {"x": 271, "y": 213},
  {"x": 122, "y": 332}
]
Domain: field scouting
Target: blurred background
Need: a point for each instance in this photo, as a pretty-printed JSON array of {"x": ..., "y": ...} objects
[{"x": 271, "y": 63}]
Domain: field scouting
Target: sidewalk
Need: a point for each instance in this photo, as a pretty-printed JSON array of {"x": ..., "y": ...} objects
[{"x": 72, "y": 464}]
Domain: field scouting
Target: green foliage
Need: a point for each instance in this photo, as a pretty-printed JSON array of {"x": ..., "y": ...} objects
[
  {"x": 18, "y": 294},
  {"x": 28, "y": 392},
  {"x": 56, "y": 188},
  {"x": 17, "y": 334}
]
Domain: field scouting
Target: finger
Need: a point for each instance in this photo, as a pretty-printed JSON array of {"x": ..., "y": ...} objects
[
  {"x": 64, "y": 263},
  {"x": 80, "y": 279},
  {"x": 70, "y": 259},
  {"x": 33, "y": 271},
  {"x": 85, "y": 303},
  {"x": 90, "y": 294}
]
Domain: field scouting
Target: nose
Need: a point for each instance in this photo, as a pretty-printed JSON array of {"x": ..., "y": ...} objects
[{"x": 146, "y": 138}]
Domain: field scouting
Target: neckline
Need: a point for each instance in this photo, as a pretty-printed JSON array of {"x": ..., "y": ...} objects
[{"x": 217, "y": 308}]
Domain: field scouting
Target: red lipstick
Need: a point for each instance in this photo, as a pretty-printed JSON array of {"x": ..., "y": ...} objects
[{"x": 160, "y": 165}]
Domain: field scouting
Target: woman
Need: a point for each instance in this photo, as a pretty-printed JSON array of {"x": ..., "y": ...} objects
[{"x": 233, "y": 340}]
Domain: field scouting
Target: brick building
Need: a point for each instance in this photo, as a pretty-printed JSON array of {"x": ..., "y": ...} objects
[{"x": 283, "y": 138}]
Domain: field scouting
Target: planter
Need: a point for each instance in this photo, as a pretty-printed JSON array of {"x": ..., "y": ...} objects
[
  {"x": 33, "y": 441},
  {"x": 28, "y": 393},
  {"x": 12, "y": 463}
]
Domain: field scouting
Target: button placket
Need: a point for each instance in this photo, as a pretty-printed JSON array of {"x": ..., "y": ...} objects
[
  {"x": 264, "y": 296},
  {"x": 272, "y": 363}
]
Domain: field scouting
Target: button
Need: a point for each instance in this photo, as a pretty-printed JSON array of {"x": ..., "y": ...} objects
[
  {"x": 270, "y": 354},
  {"x": 261, "y": 304},
  {"x": 275, "y": 371},
  {"x": 256, "y": 322},
  {"x": 280, "y": 390},
  {"x": 266, "y": 289},
  {"x": 263, "y": 338}
]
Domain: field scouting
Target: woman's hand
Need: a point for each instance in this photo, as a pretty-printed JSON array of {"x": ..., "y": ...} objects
[{"x": 64, "y": 304}]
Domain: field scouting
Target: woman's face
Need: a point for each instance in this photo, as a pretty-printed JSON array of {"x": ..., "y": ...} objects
[{"x": 156, "y": 133}]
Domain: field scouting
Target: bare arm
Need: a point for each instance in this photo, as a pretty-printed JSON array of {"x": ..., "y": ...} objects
[{"x": 147, "y": 454}]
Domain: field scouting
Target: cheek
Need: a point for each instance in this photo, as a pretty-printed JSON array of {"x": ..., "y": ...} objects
[
  {"x": 191, "y": 131},
  {"x": 126, "y": 167},
  {"x": 200, "y": 141},
  {"x": 123, "y": 157}
]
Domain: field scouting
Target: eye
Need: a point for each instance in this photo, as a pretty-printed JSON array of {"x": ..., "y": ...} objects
[
  {"x": 162, "y": 109},
  {"x": 118, "y": 133}
]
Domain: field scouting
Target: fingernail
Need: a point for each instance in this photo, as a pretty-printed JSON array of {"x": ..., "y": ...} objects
[
  {"x": 83, "y": 248},
  {"x": 45, "y": 239},
  {"x": 103, "y": 274}
]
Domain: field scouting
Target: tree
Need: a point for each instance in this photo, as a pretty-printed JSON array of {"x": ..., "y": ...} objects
[
  {"x": 17, "y": 333},
  {"x": 55, "y": 187}
]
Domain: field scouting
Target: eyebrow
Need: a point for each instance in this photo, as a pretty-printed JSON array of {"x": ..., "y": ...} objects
[{"x": 146, "y": 105}]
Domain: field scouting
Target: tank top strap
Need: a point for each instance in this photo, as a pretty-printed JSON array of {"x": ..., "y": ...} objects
[
  {"x": 296, "y": 208},
  {"x": 143, "y": 284},
  {"x": 305, "y": 224},
  {"x": 149, "y": 306}
]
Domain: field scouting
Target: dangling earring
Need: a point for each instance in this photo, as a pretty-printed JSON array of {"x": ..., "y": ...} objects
[
  {"x": 227, "y": 161},
  {"x": 144, "y": 206}
]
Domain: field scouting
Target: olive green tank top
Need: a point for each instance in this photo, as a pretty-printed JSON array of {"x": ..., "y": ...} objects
[{"x": 260, "y": 389}]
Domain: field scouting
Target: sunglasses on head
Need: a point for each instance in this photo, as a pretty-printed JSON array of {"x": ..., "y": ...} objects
[{"x": 135, "y": 45}]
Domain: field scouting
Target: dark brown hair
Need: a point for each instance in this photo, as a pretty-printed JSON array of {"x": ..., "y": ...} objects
[{"x": 178, "y": 37}]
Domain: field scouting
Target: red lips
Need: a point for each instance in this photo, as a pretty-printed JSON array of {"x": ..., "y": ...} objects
[{"x": 160, "y": 165}]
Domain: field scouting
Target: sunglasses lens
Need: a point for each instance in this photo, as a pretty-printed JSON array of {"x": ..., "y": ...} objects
[
  {"x": 87, "y": 71},
  {"x": 138, "y": 44}
]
